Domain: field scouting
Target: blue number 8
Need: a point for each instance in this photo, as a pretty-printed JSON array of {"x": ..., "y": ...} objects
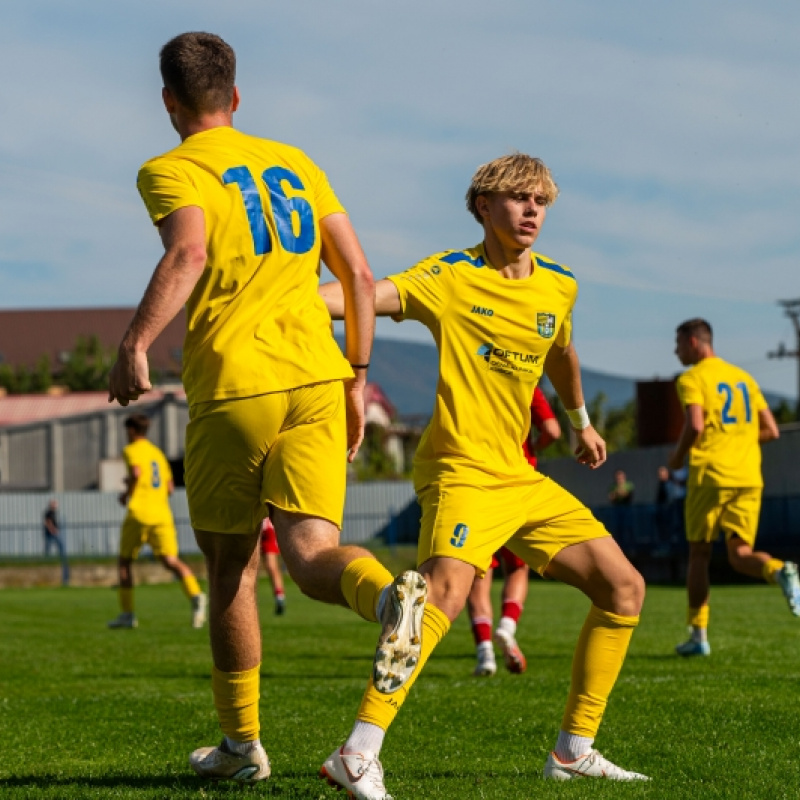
[{"x": 283, "y": 209}]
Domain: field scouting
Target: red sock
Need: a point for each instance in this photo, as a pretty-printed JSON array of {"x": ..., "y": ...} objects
[
  {"x": 512, "y": 609},
  {"x": 482, "y": 629}
]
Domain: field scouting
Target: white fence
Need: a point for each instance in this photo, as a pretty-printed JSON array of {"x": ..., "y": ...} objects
[{"x": 91, "y": 520}]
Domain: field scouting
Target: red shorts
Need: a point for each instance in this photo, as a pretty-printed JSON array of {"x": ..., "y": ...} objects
[
  {"x": 269, "y": 541},
  {"x": 510, "y": 560}
]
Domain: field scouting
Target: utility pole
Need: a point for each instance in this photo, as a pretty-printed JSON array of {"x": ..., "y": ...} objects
[{"x": 792, "y": 310}]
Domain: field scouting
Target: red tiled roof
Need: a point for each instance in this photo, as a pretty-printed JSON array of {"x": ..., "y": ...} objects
[
  {"x": 27, "y": 335},
  {"x": 17, "y": 409}
]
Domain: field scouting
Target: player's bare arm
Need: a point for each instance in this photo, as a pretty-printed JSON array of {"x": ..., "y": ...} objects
[
  {"x": 767, "y": 427},
  {"x": 564, "y": 371},
  {"x": 131, "y": 479},
  {"x": 175, "y": 276},
  {"x": 387, "y": 299},
  {"x": 549, "y": 431},
  {"x": 342, "y": 253},
  {"x": 693, "y": 426}
]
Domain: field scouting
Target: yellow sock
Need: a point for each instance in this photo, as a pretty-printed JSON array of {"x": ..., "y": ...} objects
[
  {"x": 191, "y": 588},
  {"x": 698, "y": 617},
  {"x": 770, "y": 568},
  {"x": 381, "y": 709},
  {"x": 598, "y": 659},
  {"x": 126, "y": 600},
  {"x": 362, "y": 582},
  {"x": 236, "y": 697}
]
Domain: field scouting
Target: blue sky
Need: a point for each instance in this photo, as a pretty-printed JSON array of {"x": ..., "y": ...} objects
[{"x": 673, "y": 131}]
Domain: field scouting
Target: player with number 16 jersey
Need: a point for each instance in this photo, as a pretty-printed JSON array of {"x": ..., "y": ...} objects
[{"x": 255, "y": 321}]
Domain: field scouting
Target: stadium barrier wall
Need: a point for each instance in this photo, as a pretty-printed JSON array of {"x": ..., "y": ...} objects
[{"x": 91, "y": 520}]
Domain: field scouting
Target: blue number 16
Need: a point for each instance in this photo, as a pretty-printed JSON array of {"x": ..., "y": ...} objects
[
  {"x": 727, "y": 390},
  {"x": 282, "y": 209}
]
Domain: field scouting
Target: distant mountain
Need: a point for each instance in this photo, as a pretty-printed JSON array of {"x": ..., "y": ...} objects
[{"x": 407, "y": 372}]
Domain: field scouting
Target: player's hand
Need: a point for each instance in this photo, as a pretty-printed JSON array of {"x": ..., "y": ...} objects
[
  {"x": 591, "y": 448},
  {"x": 129, "y": 377},
  {"x": 354, "y": 402}
]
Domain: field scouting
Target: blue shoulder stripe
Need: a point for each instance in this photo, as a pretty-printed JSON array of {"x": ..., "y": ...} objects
[
  {"x": 551, "y": 265},
  {"x": 455, "y": 258}
]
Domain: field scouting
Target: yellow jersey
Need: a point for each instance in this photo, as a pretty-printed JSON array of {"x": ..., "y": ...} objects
[
  {"x": 728, "y": 452},
  {"x": 149, "y": 501},
  {"x": 255, "y": 323},
  {"x": 492, "y": 335}
]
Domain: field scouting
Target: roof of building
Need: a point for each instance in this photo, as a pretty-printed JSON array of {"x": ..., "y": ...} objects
[
  {"x": 27, "y": 335},
  {"x": 18, "y": 409}
]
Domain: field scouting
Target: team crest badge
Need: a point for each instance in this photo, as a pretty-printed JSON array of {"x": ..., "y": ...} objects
[{"x": 546, "y": 324}]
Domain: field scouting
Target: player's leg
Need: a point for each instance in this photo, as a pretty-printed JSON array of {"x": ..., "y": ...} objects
[
  {"x": 163, "y": 539},
  {"x": 273, "y": 569},
  {"x": 602, "y": 572},
  {"x": 304, "y": 480},
  {"x": 460, "y": 529},
  {"x": 562, "y": 540},
  {"x": 130, "y": 542},
  {"x": 703, "y": 508},
  {"x": 232, "y": 562},
  {"x": 515, "y": 592},
  {"x": 356, "y": 766},
  {"x": 739, "y": 520},
  {"x": 191, "y": 588},
  {"x": 479, "y": 608}
]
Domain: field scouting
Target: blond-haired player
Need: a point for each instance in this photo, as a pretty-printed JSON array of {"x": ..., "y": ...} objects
[
  {"x": 501, "y": 314},
  {"x": 726, "y": 420},
  {"x": 274, "y": 406},
  {"x": 148, "y": 486}
]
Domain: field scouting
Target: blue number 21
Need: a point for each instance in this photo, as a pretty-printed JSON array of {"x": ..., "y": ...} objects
[
  {"x": 727, "y": 390},
  {"x": 282, "y": 209}
]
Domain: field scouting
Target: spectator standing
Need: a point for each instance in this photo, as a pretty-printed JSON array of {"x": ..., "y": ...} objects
[{"x": 54, "y": 537}]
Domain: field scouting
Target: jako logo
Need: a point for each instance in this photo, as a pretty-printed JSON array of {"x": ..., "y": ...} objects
[
  {"x": 460, "y": 533},
  {"x": 484, "y": 312}
]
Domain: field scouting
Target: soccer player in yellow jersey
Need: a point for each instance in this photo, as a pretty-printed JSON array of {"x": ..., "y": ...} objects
[
  {"x": 149, "y": 521},
  {"x": 726, "y": 420},
  {"x": 501, "y": 314},
  {"x": 274, "y": 406}
]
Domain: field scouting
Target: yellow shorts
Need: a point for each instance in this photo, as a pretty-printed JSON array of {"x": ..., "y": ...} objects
[
  {"x": 162, "y": 538},
  {"x": 710, "y": 509},
  {"x": 535, "y": 521},
  {"x": 287, "y": 449}
]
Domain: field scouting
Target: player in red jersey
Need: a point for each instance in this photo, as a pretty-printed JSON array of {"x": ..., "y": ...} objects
[
  {"x": 269, "y": 558},
  {"x": 544, "y": 430}
]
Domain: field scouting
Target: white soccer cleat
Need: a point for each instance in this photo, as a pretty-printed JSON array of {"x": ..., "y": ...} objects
[
  {"x": 787, "y": 579},
  {"x": 693, "y": 648},
  {"x": 199, "y": 605},
  {"x": 360, "y": 774},
  {"x": 219, "y": 764},
  {"x": 514, "y": 659},
  {"x": 124, "y": 620},
  {"x": 592, "y": 765},
  {"x": 486, "y": 666},
  {"x": 400, "y": 643}
]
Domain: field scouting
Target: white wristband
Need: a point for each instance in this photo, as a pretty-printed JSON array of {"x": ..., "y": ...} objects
[{"x": 579, "y": 418}]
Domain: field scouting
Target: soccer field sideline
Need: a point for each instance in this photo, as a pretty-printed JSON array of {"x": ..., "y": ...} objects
[{"x": 89, "y": 712}]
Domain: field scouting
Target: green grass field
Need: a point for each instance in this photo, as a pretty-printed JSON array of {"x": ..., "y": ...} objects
[{"x": 90, "y": 713}]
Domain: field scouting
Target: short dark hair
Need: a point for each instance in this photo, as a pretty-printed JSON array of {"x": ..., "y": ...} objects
[
  {"x": 200, "y": 70},
  {"x": 696, "y": 327},
  {"x": 138, "y": 423}
]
